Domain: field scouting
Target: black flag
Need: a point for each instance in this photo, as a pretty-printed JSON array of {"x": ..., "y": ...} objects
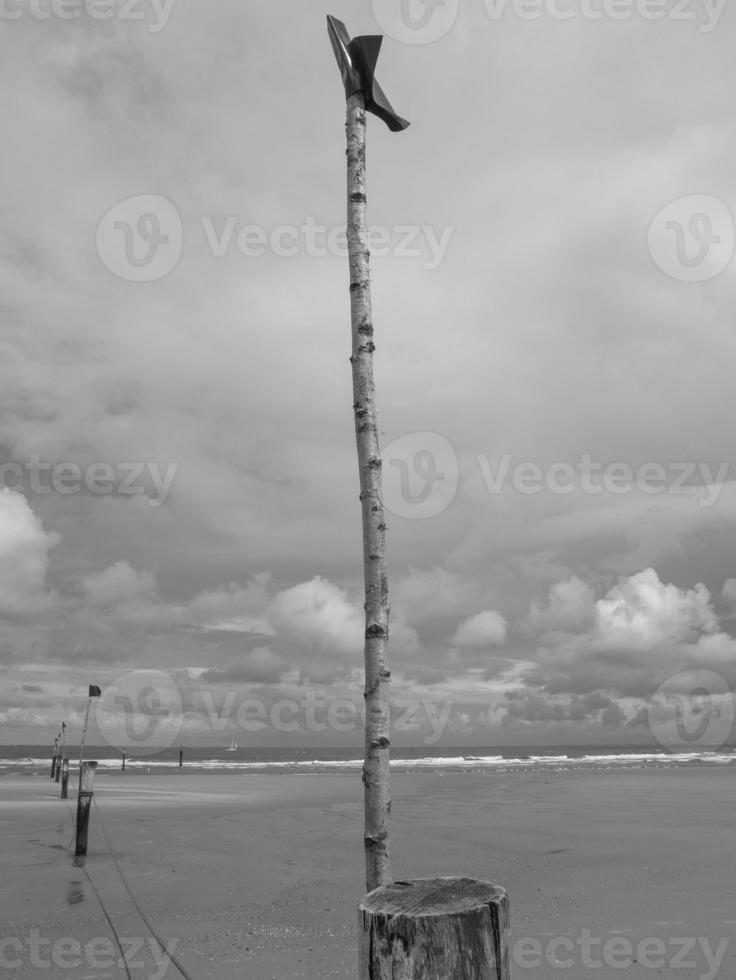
[
  {"x": 357, "y": 62},
  {"x": 94, "y": 692}
]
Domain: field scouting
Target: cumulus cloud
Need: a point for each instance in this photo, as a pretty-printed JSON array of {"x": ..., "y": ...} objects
[
  {"x": 483, "y": 630},
  {"x": 318, "y": 618},
  {"x": 570, "y": 607},
  {"x": 237, "y": 609},
  {"x": 642, "y": 613},
  {"x": 117, "y": 584},
  {"x": 24, "y": 557},
  {"x": 601, "y": 659}
]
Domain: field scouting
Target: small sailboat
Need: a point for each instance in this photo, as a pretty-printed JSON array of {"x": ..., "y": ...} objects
[{"x": 233, "y": 746}]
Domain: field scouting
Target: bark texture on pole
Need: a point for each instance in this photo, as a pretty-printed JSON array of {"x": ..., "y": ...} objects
[
  {"x": 377, "y": 721},
  {"x": 435, "y": 929}
]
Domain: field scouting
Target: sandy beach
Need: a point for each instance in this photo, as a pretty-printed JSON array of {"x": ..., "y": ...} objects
[{"x": 610, "y": 874}]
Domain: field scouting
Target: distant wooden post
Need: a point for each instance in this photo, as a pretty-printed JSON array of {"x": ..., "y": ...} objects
[
  {"x": 435, "y": 929},
  {"x": 123, "y": 760},
  {"x": 61, "y": 755},
  {"x": 65, "y": 778},
  {"x": 181, "y": 758},
  {"x": 84, "y": 803},
  {"x": 54, "y": 757}
]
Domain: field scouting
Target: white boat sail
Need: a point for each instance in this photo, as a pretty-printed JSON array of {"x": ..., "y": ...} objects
[{"x": 233, "y": 746}]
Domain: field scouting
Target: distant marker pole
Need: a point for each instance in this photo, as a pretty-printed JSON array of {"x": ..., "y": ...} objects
[
  {"x": 86, "y": 777},
  {"x": 94, "y": 692},
  {"x": 123, "y": 760},
  {"x": 64, "y": 764},
  {"x": 181, "y": 758},
  {"x": 54, "y": 757},
  {"x": 84, "y": 803},
  {"x": 84, "y": 734},
  {"x": 65, "y": 778},
  {"x": 59, "y": 756}
]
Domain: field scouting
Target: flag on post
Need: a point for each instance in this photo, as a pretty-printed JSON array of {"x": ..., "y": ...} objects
[
  {"x": 94, "y": 692},
  {"x": 357, "y": 60}
]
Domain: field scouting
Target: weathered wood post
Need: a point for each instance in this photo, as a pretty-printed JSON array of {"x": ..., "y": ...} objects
[
  {"x": 65, "y": 778},
  {"x": 54, "y": 757},
  {"x": 181, "y": 758},
  {"x": 435, "y": 929},
  {"x": 84, "y": 803},
  {"x": 123, "y": 760},
  {"x": 61, "y": 755}
]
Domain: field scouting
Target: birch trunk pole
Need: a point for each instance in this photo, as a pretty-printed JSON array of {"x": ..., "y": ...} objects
[{"x": 377, "y": 805}]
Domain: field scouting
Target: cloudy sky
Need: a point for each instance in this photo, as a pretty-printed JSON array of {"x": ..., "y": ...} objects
[{"x": 553, "y": 295}]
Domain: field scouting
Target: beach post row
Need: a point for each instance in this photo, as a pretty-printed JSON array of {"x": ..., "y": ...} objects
[{"x": 434, "y": 929}]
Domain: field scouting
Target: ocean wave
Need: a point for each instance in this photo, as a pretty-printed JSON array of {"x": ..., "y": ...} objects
[{"x": 475, "y": 763}]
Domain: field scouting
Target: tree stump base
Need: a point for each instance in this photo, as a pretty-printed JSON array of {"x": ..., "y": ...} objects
[{"x": 435, "y": 929}]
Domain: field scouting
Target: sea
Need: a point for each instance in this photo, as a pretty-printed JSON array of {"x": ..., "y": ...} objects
[{"x": 35, "y": 760}]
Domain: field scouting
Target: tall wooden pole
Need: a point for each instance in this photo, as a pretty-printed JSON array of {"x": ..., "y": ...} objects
[{"x": 377, "y": 721}]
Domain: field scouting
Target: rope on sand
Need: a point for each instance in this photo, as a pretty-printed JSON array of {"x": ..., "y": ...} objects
[
  {"x": 137, "y": 907},
  {"x": 122, "y": 960},
  {"x": 109, "y": 922}
]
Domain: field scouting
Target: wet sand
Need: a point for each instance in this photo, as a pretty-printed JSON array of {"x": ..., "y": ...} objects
[{"x": 258, "y": 876}]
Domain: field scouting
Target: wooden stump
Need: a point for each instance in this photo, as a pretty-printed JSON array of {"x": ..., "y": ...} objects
[
  {"x": 435, "y": 929},
  {"x": 84, "y": 803}
]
